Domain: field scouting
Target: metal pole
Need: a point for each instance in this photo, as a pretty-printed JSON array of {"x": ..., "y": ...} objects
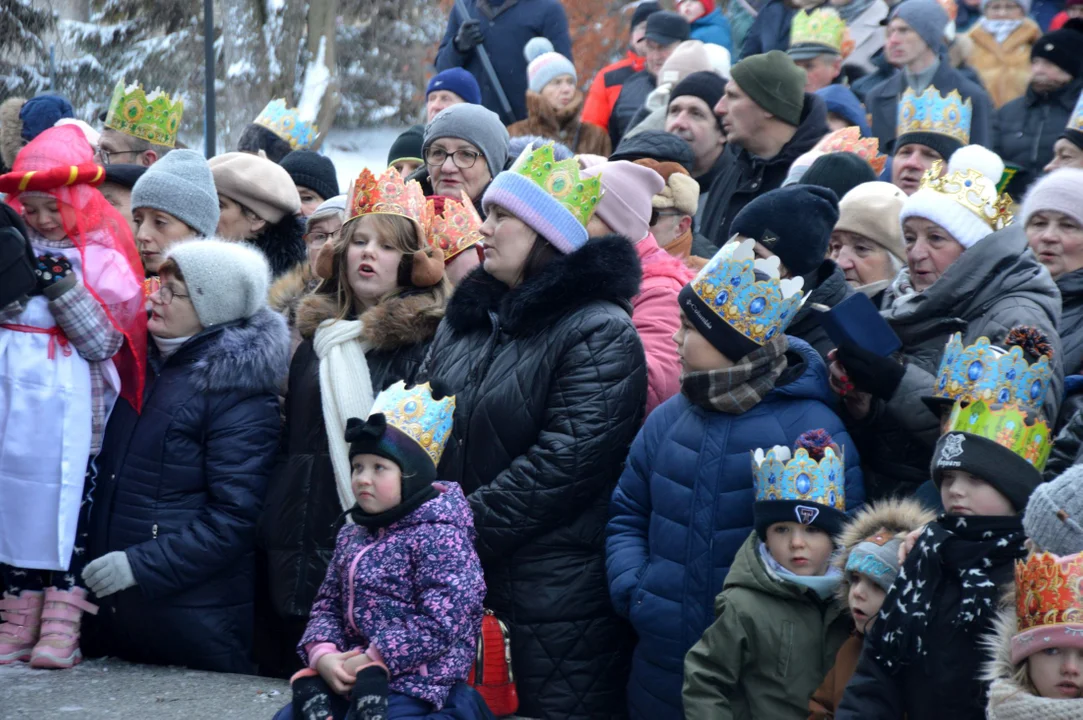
[
  {"x": 209, "y": 143},
  {"x": 52, "y": 67}
]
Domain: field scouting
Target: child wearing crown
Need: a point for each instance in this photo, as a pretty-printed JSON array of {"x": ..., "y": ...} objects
[
  {"x": 684, "y": 503},
  {"x": 395, "y": 624},
  {"x": 923, "y": 658},
  {"x": 779, "y": 621}
]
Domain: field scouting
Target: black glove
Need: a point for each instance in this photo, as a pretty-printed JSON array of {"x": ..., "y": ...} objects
[
  {"x": 469, "y": 36},
  {"x": 52, "y": 269},
  {"x": 869, "y": 372}
]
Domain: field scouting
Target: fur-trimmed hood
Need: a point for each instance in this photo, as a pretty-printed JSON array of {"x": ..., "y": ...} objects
[
  {"x": 898, "y": 516},
  {"x": 396, "y": 322},
  {"x": 11, "y": 130},
  {"x": 606, "y": 268},
  {"x": 283, "y": 245},
  {"x": 290, "y": 289},
  {"x": 249, "y": 356}
]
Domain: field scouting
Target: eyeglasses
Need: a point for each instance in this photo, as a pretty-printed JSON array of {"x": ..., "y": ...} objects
[
  {"x": 463, "y": 159},
  {"x": 107, "y": 156},
  {"x": 320, "y": 238},
  {"x": 166, "y": 294}
]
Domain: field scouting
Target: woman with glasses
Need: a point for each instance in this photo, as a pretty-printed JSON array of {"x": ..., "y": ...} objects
[
  {"x": 465, "y": 147},
  {"x": 182, "y": 481}
]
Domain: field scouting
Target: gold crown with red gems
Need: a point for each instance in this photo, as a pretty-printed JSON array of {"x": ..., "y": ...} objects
[
  {"x": 455, "y": 230},
  {"x": 387, "y": 194}
]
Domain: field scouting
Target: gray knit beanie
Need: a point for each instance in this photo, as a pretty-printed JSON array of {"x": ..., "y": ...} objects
[
  {"x": 927, "y": 19},
  {"x": 1060, "y": 190},
  {"x": 1054, "y": 516},
  {"x": 182, "y": 185},
  {"x": 475, "y": 124},
  {"x": 880, "y": 563},
  {"x": 227, "y": 281}
]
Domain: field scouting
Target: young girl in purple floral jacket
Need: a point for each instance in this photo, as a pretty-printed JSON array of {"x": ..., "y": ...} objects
[{"x": 393, "y": 630}]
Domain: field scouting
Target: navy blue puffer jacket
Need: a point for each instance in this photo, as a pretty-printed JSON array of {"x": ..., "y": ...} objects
[
  {"x": 683, "y": 508},
  {"x": 181, "y": 487}
]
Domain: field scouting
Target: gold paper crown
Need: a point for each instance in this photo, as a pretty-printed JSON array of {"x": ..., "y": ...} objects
[
  {"x": 930, "y": 112},
  {"x": 456, "y": 229},
  {"x": 823, "y": 27},
  {"x": 1048, "y": 603},
  {"x": 415, "y": 413},
  {"x": 286, "y": 123},
  {"x": 154, "y": 118},
  {"x": 561, "y": 180},
  {"x": 973, "y": 191},
  {"x": 386, "y": 195}
]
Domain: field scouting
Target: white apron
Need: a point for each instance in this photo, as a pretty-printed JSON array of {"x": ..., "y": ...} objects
[{"x": 45, "y": 439}]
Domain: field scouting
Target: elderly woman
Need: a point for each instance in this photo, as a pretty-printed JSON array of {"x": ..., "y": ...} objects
[
  {"x": 867, "y": 240},
  {"x": 1002, "y": 42},
  {"x": 961, "y": 276},
  {"x": 183, "y": 480},
  {"x": 465, "y": 147}
]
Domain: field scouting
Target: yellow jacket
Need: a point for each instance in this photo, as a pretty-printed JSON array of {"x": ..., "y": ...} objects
[{"x": 1004, "y": 67}]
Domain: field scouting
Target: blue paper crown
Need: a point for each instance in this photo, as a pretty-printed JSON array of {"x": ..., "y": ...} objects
[
  {"x": 287, "y": 124},
  {"x": 1076, "y": 121},
  {"x": 931, "y": 113},
  {"x": 416, "y": 414},
  {"x": 758, "y": 308},
  {"x": 984, "y": 372},
  {"x": 779, "y": 476}
]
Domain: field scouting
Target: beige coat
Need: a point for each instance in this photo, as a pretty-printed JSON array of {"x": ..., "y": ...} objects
[{"x": 1004, "y": 67}]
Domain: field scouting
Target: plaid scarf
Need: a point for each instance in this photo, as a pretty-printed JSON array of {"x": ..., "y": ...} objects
[{"x": 738, "y": 389}]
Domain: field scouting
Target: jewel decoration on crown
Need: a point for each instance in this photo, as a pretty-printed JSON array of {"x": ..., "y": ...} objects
[
  {"x": 1076, "y": 121},
  {"x": 849, "y": 140},
  {"x": 822, "y": 27},
  {"x": 1014, "y": 427},
  {"x": 561, "y": 180},
  {"x": 974, "y": 192},
  {"x": 415, "y": 413},
  {"x": 931, "y": 113},
  {"x": 454, "y": 231},
  {"x": 154, "y": 118},
  {"x": 758, "y": 308},
  {"x": 780, "y": 475},
  {"x": 1048, "y": 591},
  {"x": 286, "y": 123},
  {"x": 387, "y": 194},
  {"x": 988, "y": 373}
]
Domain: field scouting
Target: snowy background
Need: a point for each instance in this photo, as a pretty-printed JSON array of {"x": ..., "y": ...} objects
[{"x": 354, "y": 150}]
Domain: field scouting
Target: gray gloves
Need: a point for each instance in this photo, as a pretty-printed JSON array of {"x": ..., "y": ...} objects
[{"x": 109, "y": 574}]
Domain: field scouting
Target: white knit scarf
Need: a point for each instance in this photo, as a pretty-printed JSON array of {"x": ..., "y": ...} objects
[{"x": 345, "y": 392}]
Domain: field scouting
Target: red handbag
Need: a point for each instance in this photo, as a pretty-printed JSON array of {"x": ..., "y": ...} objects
[{"x": 491, "y": 675}]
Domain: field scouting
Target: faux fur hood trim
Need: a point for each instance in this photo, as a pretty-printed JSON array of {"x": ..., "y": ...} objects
[
  {"x": 283, "y": 245},
  {"x": 11, "y": 130},
  {"x": 898, "y": 516},
  {"x": 252, "y": 355},
  {"x": 998, "y": 643},
  {"x": 606, "y": 268},
  {"x": 290, "y": 289},
  {"x": 399, "y": 321}
]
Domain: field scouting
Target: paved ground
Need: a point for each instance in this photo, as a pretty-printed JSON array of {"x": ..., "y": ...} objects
[{"x": 114, "y": 689}]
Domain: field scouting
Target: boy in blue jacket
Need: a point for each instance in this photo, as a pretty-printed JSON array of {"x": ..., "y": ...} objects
[{"x": 683, "y": 506}]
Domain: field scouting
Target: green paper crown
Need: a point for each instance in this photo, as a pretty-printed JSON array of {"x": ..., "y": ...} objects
[
  {"x": 822, "y": 26},
  {"x": 561, "y": 180},
  {"x": 1009, "y": 426},
  {"x": 155, "y": 119}
]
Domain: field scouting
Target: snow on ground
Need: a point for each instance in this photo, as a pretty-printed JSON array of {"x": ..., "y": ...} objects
[{"x": 354, "y": 150}]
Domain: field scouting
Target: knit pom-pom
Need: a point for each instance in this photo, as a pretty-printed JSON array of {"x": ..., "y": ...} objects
[
  {"x": 536, "y": 47},
  {"x": 815, "y": 443},
  {"x": 976, "y": 157},
  {"x": 1033, "y": 342}
]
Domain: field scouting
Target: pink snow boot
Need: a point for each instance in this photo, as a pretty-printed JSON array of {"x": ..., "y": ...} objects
[
  {"x": 61, "y": 616},
  {"x": 22, "y": 624}
]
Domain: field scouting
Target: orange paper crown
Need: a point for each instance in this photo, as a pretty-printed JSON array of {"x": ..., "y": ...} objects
[
  {"x": 849, "y": 140},
  {"x": 386, "y": 195},
  {"x": 456, "y": 229},
  {"x": 1048, "y": 604}
]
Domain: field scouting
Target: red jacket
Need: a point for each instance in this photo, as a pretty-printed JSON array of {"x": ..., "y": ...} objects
[{"x": 605, "y": 88}]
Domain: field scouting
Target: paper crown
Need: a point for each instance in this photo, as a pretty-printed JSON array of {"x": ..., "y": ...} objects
[
  {"x": 1048, "y": 604},
  {"x": 387, "y": 194},
  {"x": 780, "y": 475},
  {"x": 286, "y": 123},
  {"x": 415, "y": 413},
  {"x": 823, "y": 28},
  {"x": 1011, "y": 426},
  {"x": 1076, "y": 121},
  {"x": 561, "y": 180},
  {"x": 154, "y": 118},
  {"x": 990, "y": 374},
  {"x": 454, "y": 230},
  {"x": 931, "y": 113},
  {"x": 758, "y": 308},
  {"x": 973, "y": 191},
  {"x": 849, "y": 140}
]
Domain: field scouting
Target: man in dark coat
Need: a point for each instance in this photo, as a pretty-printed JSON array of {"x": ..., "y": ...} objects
[
  {"x": 914, "y": 38},
  {"x": 1028, "y": 127},
  {"x": 504, "y": 27},
  {"x": 769, "y": 122}
]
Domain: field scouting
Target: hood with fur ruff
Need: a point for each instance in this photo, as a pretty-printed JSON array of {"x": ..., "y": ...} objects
[{"x": 250, "y": 355}]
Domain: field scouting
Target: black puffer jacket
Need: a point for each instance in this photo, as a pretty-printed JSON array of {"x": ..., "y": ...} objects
[
  {"x": 1026, "y": 129},
  {"x": 180, "y": 490},
  {"x": 550, "y": 383},
  {"x": 829, "y": 290},
  {"x": 1071, "y": 321}
]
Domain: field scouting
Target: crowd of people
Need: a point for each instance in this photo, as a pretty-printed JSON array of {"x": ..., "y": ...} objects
[{"x": 741, "y": 382}]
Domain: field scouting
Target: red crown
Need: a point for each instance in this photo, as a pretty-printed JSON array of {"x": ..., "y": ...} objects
[
  {"x": 1048, "y": 603},
  {"x": 53, "y": 178},
  {"x": 455, "y": 229},
  {"x": 386, "y": 195}
]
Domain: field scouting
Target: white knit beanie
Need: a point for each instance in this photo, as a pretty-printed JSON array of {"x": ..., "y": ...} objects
[
  {"x": 546, "y": 65},
  {"x": 1060, "y": 190},
  {"x": 966, "y": 226},
  {"x": 227, "y": 281}
]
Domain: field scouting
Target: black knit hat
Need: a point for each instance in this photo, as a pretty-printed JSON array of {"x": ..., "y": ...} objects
[
  {"x": 942, "y": 144},
  {"x": 706, "y": 85},
  {"x": 839, "y": 171},
  {"x": 643, "y": 11},
  {"x": 313, "y": 171},
  {"x": 793, "y": 222},
  {"x": 1063, "y": 48},
  {"x": 124, "y": 174},
  {"x": 1074, "y": 136},
  {"x": 407, "y": 146},
  {"x": 1009, "y": 473},
  {"x": 667, "y": 28},
  {"x": 656, "y": 145}
]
